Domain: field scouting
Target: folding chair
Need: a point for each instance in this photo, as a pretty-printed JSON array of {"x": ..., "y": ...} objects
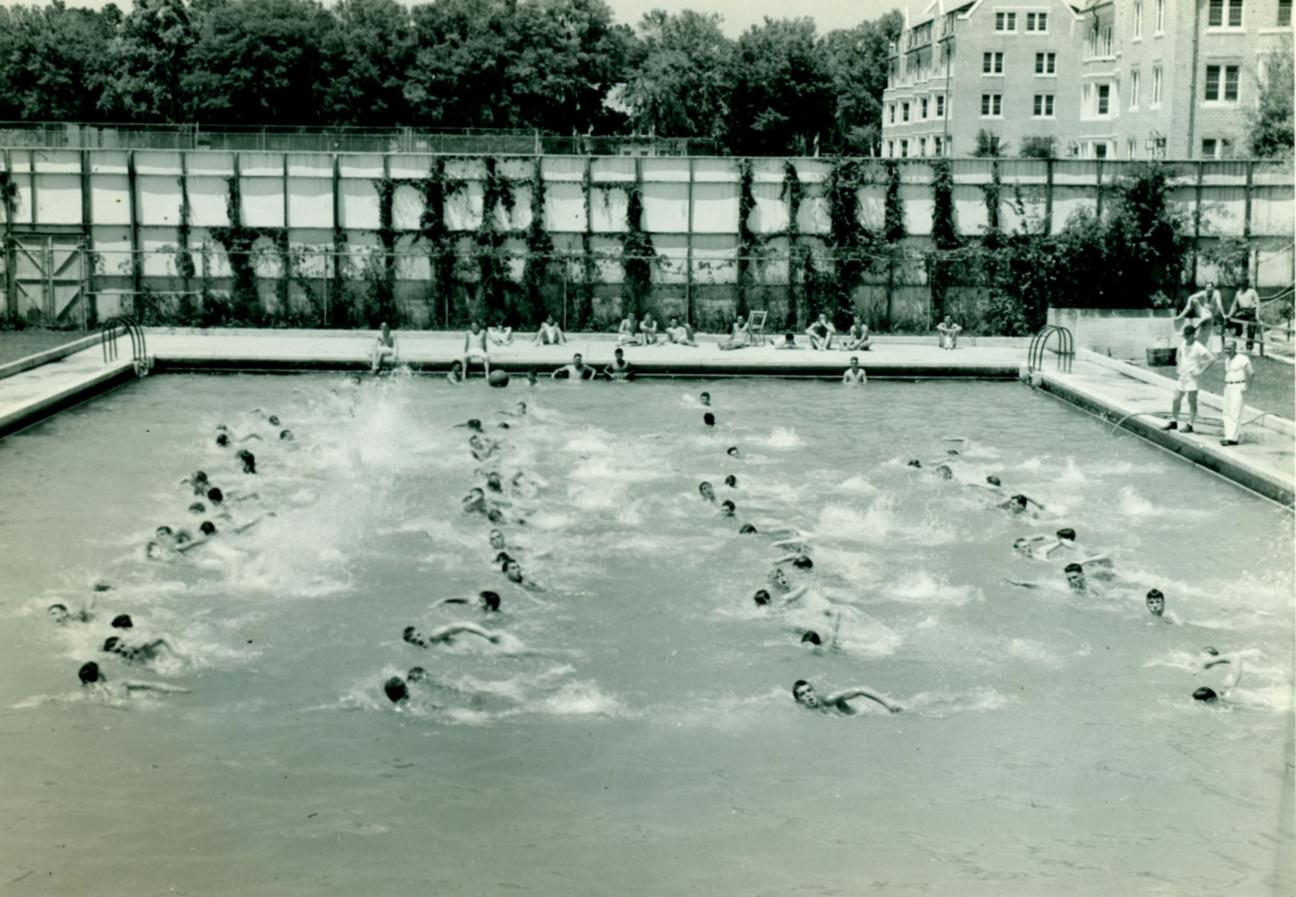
[{"x": 756, "y": 328}]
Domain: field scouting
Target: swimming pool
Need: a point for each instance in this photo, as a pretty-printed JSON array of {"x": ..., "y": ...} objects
[{"x": 634, "y": 731}]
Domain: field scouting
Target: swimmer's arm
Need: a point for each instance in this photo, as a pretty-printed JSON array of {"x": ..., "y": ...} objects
[
  {"x": 797, "y": 539},
  {"x": 795, "y": 595},
  {"x": 445, "y": 632},
  {"x": 154, "y": 686},
  {"x": 787, "y": 558},
  {"x": 1022, "y": 584},
  {"x": 840, "y": 697},
  {"x": 961, "y": 440},
  {"x": 189, "y": 546},
  {"x": 247, "y": 526},
  {"x": 1235, "y": 673},
  {"x": 256, "y": 436}
]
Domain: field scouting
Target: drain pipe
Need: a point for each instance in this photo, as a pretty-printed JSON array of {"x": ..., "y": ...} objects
[{"x": 1192, "y": 81}]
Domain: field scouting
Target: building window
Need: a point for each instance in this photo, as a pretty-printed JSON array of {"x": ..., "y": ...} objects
[
  {"x": 1138, "y": 19},
  {"x": 1100, "y": 150},
  {"x": 1158, "y": 147},
  {"x": 1104, "y": 99},
  {"x": 891, "y": 149},
  {"x": 1037, "y": 21},
  {"x": 1209, "y": 148},
  {"x": 1107, "y": 41},
  {"x": 1043, "y": 107},
  {"x": 992, "y": 63},
  {"x": 904, "y": 111},
  {"x": 922, "y": 146},
  {"x": 1131, "y": 148},
  {"x": 1135, "y": 85},
  {"x": 991, "y": 104},
  {"x": 892, "y": 110},
  {"x": 1228, "y": 93},
  {"x": 1222, "y": 11},
  {"x": 904, "y": 149},
  {"x": 1156, "y": 85},
  {"x": 936, "y": 146},
  {"x": 940, "y": 106},
  {"x": 1005, "y": 21},
  {"x": 1160, "y": 23},
  {"x": 1045, "y": 63},
  {"x": 923, "y": 108},
  {"x": 1284, "y": 13}
]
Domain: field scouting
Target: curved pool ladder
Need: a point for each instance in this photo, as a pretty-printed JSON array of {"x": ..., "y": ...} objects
[
  {"x": 109, "y": 334},
  {"x": 1065, "y": 350}
]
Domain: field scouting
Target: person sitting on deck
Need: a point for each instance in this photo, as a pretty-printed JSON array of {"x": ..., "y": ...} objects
[
  {"x": 857, "y": 337},
  {"x": 680, "y": 334},
  {"x": 501, "y": 334},
  {"x": 949, "y": 333},
  {"x": 549, "y": 334},
  {"x": 854, "y": 373},
  {"x": 619, "y": 369},
  {"x": 821, "y": 333},
  {"x": 648, "y": 330},
  {"x": 628, "y": 332},
  {"x": 384, "y": 348},
  {"x": 577, "y": 370},
  {"x": 804, "y": 694},
  {"x": 475, "y": 348},
  {"x": 739, "y": 337},
  {"x": 789, "y": 341}
]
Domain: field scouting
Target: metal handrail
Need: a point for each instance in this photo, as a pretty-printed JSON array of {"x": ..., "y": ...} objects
[
  {"x": 139, "y": 348},
  {"x": 1065, "y": 350}
]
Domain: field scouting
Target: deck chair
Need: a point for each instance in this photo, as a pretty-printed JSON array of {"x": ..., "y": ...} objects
[{"x": 756, "y": 328}]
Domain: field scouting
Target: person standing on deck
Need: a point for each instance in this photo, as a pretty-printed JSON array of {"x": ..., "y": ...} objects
[
  {"x": 475, "y": 347},
  {"x": 1192, "y": 360},
  {"x": 1237, "y": 377},
  {"x": 1243, "y": 312}
]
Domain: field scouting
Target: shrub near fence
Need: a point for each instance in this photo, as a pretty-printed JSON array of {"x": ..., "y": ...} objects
[{"x": 343, "y": 240}]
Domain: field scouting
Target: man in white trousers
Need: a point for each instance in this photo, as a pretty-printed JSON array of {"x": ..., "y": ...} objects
[{"x": 1237, "y": 377}]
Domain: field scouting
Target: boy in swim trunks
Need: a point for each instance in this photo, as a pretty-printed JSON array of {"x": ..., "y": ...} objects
[
  {"x": 1192, "y": 361},
  {"x": 475, "y": 348}
]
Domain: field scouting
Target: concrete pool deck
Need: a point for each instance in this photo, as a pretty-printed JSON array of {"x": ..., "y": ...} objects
[{"x": 1130, "y": 397}]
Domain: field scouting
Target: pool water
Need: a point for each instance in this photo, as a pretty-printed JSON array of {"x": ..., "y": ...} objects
[{"x": 633, "y": 732}]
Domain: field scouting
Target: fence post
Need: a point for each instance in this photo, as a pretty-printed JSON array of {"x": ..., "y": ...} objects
[
  {"x": 137, "y": 263},
  {"x": 688, "y": 254},
  {"x": 1048, "y": 196},
  {"x": 1098, "y": 210},
  {"x": 1197, "y": 204},
  {"x": 335, "y": 268},
  {"x": 87, "y": 221},
  {"x": 10, "y": 247}
]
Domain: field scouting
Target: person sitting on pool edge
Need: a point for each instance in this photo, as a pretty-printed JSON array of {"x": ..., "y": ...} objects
[
  {"x": 854, "y": 373},
  {"x": 648, "y": 330},
  {"x": 821, "y": 332},
  {"x": 384, "y": 349},
  {"x": 549, "y": 334},
  {"x": 577, "y": 370},
  {"x": 444, "y": 635},
  {"x": 804, "y": 694},
  {"x": 857, "y": 337},
  {"x": 680, "y": 334},
  {"x": 789, "y": 341},
  {"x": 739, "y": 337},
  {"x": 949, "y": 333},
  {"x": 619, "y": 368},
  {"x": 476, "y": 348}
]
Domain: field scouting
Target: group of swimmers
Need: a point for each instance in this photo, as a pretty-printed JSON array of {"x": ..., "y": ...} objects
[{"x": 207, "y": 501}]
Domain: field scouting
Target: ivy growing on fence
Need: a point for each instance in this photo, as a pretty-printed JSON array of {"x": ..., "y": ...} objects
[
  {"x": 536, "y": 274},
  {"x": 436, "y": 189},
  {"x": 945, "y": 236},
  {"x": 239, "y": 241},
  {"x": 637, "y": 251},
  {"x": 748, "y": 243},
  {"x": 497, "y": 201},
  {"x": 850, "y": 241}
]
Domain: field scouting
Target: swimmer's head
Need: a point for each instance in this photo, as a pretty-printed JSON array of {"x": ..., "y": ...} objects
[
  {"x": 496, "y": 539},
  {"x": 1206, "y": 694},
  {"x": 1018, "y": 502},
  {"x": 456, "y": 367},
  {"x": 396, "y": 690},
  {"x": 503, "y": 558},
  {"x": 706, "y": 396},
  {"x": 122, "y": 621},
  {"x": 416, "y": 674},
  {"x": 708, "y": 419},
  {"x": 762, "y": 597},
  {"x": 222, "y": 439},
  {"x": 1075, "y": 576},
  {"x": 531, "y": 376},
  {"x": 577, "y": 360},
  {"x": 162, "y": 532},
  {"x": 944, "y": 472},
  {"x": 57, "y": 612},
  {"x": 1156, "y": 602},
  {"x": 408, "y": 634},
  {"x": 493, "y": 481},
  {"x": 854, "y": 362},
  {"x": 521, "y": 407},
  {"x": 812, "y": 637},
  {"x": 495, "y": 515},
  {"x": 727, "y": 508},
  {"x": 513, "y": 570},
  {"x": 732, "y": 451},
  {"x": 803, "y": 693},
  {"x": 1021, "y": 545},
  {"x": 778, "y": 578},
  {"x": 197, "y": 508},
  {"x": 286, "y": 435},
  {"x": 490, "y": 601},
  {"x": 993, "y": 481},
  {"x": 731, "y": 481},
  {"x": 248, "y": 459},
  {"x": 89, "y": 673},
  {"x": 476, "y": 442},
  {"x": 199, "y": 476},
  {"x": 746, "y": 529},
  {"x": 475, "y": 494},
  {"x": 112, "y": 644},
  {"x": 913, "y": 462},
  {"x": 215, "y": 496},
  {"x": 803, "y": 562},
  {"x": 274, "y": 420},
  {"x": 183, "y": 537},
  {"x": 1189, "y": 332},
  {"x": 207, "y": 528},
  {"x": 1067, "y": 534},
  {"x": 706, "y": 490},
  {"x": 474, "y": 424},
  {"x": 619, "y": 353}
]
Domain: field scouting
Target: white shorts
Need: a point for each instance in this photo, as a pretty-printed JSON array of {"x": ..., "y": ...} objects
[
  {"x": 1187, "y": 383},
  {"x": 476, "y": 354}
]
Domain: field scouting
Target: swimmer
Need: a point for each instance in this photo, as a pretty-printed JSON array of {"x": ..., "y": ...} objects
[
  {"x": 804, "y": 694},
  {"x": 123, "y": 621},
  {"x": 197, "y": 507},
  {"x": 519, "y": 410},
  {"x": 727, "y": 508},
  {"x": 60, "y": 614},
  {"x": 247, "y": 459},
  {"x": 1208, "y": 695},
  {"x": 708, "y": 419},
  {"x": 1018, "y": 504},
  {"x": 456, "y": 373},
  {"x": 287, "y": 436},
  {"x": 731, "y": 481},
  {"x": 746, "y": 529},
  {"x": 707, "y": 492},
  {"x": 513, "y": 571},
  {"x": 475, "y": 501},
  {"x": 531, "y": 378},
  {"x": 783, "y": 589},
  {"x": 396, "y": 690},
  {"x": 705, "y": 399},
  {"x": 854, "y": 373},
  {"x": 198, "y": 482},
  {"x": 494, "y": 483},
  {"x": 144, "y": 653},
  {"x": 488, "y": 601},
  {"x": 92, "y": 677},
  {"x": 732, "y": 452},
  {"x": 619, "y": 369},
  {"x": 444, "y": 635},
  {"x": 1156, "y": 606},
  {"x": 1032, "y": 547},
  {"x": 1077, "y": 582},
  {"x": 473, "y": 424},
  {"x": 577, "y": 370},
  {"x": 811, "y": 637}
]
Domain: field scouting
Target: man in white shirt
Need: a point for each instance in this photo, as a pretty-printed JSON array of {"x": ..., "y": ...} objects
[
  {"x": 1242, "y": 313},
  {"x": 1237, "y": 377},
  {"x": 1193, "y": 359}
]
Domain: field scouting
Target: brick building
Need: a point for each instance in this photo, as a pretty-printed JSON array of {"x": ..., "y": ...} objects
[{"x": 1114, "y": 79}]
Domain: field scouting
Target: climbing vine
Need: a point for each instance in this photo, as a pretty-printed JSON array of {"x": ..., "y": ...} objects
[
  {"x": 850, "y": 241},
  {"x": 749, "y": 244},
  {"x": 893, "y": 227},
  {"x": 238, "y": 242},
  {"x": 536, "y": 274},
  {"x": 945, "y": 236},
  {"x": 637, "y": 252},
  {"x": 497, "y": 194},
  {"x": 384, "y": 298},
  {"x": 436, "y": 189}
]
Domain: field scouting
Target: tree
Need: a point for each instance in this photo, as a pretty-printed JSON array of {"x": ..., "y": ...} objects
[
  {"x": 681, "y": 83},
  {"x": 1271, "y": 132},
  {"x": 988, "y": 145},
  {"x": 364, "y": 61},
  {"x": 53, "y": 61},
  {"x": 783, "y": 93},
  {"x": 856, "y": 59},
  {"x": 459, "y": 73},
  {"x": 1038, "y": 147},
  {"x": 258, "y": 61},
  {"x": 147, "y": 56}
]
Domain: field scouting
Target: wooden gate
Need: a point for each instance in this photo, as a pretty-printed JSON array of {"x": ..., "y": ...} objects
[{"x": 49, "y": 279}]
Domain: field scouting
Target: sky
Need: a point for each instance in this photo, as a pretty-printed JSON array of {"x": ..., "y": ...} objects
[{"x": 738, "y": 15}]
